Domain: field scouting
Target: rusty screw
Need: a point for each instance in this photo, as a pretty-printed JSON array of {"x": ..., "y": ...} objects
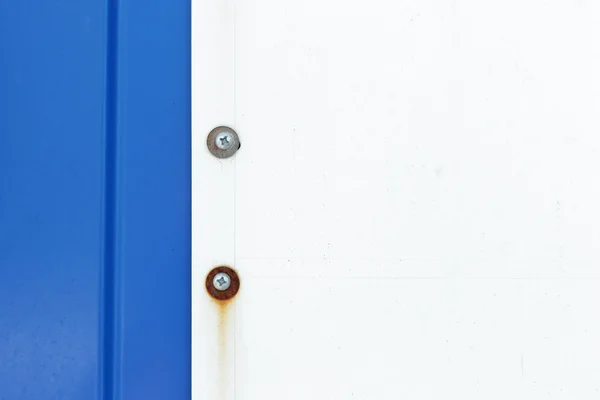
[{"x": 222, "y": 281}]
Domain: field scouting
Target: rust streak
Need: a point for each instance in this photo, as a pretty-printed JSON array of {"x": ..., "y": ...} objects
[
  {"x": 223, "y": 301},
  {"x": 224, "y": 319}
]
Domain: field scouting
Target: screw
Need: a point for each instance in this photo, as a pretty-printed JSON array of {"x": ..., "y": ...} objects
[
  {"x": 224, "y": 140},
  {"x": 221, "y": 281}
]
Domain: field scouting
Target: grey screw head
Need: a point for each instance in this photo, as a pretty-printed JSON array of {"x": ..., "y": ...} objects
[
  {"x": 221, "y": 281},
  {"x": 223, "y": 142}
]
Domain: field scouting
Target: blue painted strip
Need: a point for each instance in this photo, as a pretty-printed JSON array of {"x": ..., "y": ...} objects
[
  {"x": 153, "y": 197},
  {"x": 109, "y": 334}
]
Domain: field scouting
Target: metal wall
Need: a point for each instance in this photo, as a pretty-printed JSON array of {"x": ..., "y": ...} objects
[
  {"x": 94, "y": 199},
  {"x": 413, "y": 212}
]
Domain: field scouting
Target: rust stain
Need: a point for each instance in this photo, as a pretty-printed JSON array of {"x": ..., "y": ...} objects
[
  {"x": 223, "y": 301},
  {"x": 225, "y": 345}
]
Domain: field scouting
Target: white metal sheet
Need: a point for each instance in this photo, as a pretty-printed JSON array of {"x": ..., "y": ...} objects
[{"x": 414, "y": 209}]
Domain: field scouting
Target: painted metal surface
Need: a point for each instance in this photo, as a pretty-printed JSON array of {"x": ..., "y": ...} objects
[
  {"x": 415, "y": 201},
  {"x": 213, "y": 321},
  {"x": 94, "y": 200}
]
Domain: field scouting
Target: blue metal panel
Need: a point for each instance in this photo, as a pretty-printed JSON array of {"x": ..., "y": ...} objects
[
  {"x": 154, "y": 198},
  {"x": 94, "y": 199}
]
